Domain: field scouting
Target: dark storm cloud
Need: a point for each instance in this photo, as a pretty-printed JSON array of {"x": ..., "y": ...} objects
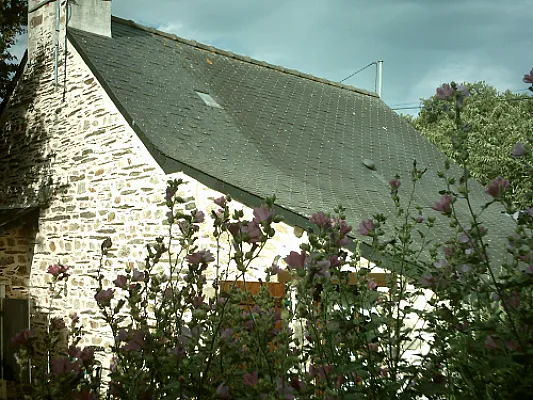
[{"x": 423, "y": 42}]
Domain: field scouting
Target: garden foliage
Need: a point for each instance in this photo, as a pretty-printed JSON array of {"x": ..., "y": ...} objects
[{"x": 453, "y": 327}]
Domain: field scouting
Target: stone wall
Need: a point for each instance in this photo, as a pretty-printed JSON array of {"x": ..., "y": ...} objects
[
  {"x": 16, "y": 252},
  {"x": 70, "y": 150}
]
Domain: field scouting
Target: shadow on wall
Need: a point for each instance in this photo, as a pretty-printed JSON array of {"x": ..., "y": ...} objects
[
  {"x": 25, "y": 154},
  {"x": 26, "y": 185}
]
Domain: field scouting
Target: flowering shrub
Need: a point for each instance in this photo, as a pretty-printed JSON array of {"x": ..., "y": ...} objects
[{"x": 448, "y": 323}]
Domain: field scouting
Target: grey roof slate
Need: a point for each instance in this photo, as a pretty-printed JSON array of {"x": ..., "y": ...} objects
[{"x": 278, "y": 131}]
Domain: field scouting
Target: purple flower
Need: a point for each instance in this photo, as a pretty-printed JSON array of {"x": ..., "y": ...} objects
[
  {"x": 136, "y": 342},
  {"x": 87, "y": 355},
  {"x": 419, "y": 219},
  {"x": 321, "y": 268},
  {"x": 58, "y": 271},
  {"x": 199, "y": 216},
  {"x": 284, "y": 390},
  {"x": 263, "y": 213},
  {"x": 428, "y": 280},
  {"x": 513, "y": 300},
  {"x": 221, "y": 201},
  {"x": 463, "y": 93},
  {"x": 295, "y": 260},
  {"x": 528, "y": 78},
  {"x": 490, "y": 343},
  {"x": 444, "y": 204},
  {"x": 137, "y": 276},
  {"x": 253, "y": 232},
  {"x": 121, "y": 281},
  {"x": 366, "y": 228},
  {"x": 250, "y": 379},
  {"x": 297, "y": 383},
  {"x": 200, "y": 257},
  {"x": 320, "y": 219},
  {"x": 103, "y": 297},
  {"x": 373, "y": 346},
  {"x": 61, "y": 365},
  {"x": 440, "y": 264},
  {"x": 334, "y": 261},
  {"x": 23, "y": 337},
  {"x": 445, "y": 91},
  {"x": 344, "y": 228},
  {"x": 170, "y": 192},
  {"x": 371, "y": 284},
  {"x": 223, "y": 392},
  {"x": 276, "y": 269},
  {"x": 497, "y": 187},
  {"x": 519, "y": 150},
  {"x": 198, "y": 301},
  {"x": 395, "y": 184}
]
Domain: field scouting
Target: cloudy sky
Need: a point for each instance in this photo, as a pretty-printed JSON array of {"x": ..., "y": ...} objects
[{"x": 423, "y": 42}]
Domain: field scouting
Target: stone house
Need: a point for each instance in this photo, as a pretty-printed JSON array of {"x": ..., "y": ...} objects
[{"x": 105, "y": 111}]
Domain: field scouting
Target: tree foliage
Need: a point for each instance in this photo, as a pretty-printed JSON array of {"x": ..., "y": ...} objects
[
  {"x": 497, "y": 121},
  {"x": 13, "y": 14}
]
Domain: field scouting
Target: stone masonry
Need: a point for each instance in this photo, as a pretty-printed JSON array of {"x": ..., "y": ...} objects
[{"x": 67, "y": 148}]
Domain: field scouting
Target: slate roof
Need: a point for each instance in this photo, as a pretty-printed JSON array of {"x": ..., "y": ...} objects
[{"x": 276, "y": 131}]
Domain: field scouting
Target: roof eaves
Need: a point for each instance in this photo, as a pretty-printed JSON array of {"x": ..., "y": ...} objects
[{"x": 242, "y": 58}]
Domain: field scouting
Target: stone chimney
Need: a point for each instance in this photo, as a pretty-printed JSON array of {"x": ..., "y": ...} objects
[
  {"x": 92, "y": 16},
  {"x": 46, "y": 22}
]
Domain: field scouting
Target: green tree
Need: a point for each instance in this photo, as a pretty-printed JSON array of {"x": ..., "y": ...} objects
[
  {"x": 496, "y": 122},
  {"x": 13, "y": 19}
]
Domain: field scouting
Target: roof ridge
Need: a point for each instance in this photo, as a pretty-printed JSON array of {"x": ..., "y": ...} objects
[{"x": 239, "y": 57}]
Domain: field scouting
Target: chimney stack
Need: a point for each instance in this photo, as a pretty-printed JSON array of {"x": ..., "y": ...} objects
[{"x": 93, "y": 16}]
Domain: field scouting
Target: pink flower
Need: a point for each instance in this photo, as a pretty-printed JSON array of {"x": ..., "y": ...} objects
[
  {"x": 295, "y": 260},
  {"x": 103, "y": 297},
  {"x": 320, "y": 219},
  {"x": 221, "y": 201},
  {"x": 198, "y": 301},
  {"x": 223, "y": 392},
  {"x": 320, "y": 371},
  {"x": 121, "y": 281},
  {"x": 24, "y": 337},
  {"x": 253, "y": 232},
  {"x": 87, "y": 355},
  {"x": 200, "y": 257},
  {"x": 371, "y": 284},
  {"x": 519, "y": 150},
  {"x": 444, "y": 205},
  {"x": 334, "y": 261},
  {"x": 199, "y": 216},
  {"x": 395, "y": 184},
  {"x": 497, "y": 187},
  {"x": 528, "y": 78},
  {"x": 284, "y": 390},
  {"x": 513, "y": 300},
  {"x": 490, "y": 343},
  {"x": 445, "y": 91},
  {"x": 137, "y": 276},
  {"x": 263, "y": 213},
  {"x": 373, "y": 346},
  {"x": 366, "y": 228},
  {"x": 61, "y": 365},
  {"x": 85, "y": 394},
  {"x": 136, "y": 342},
  {"x": 58, "y": 271},
  {"x": 344, "y": 228},
  {"x": 250, "y": 379}
]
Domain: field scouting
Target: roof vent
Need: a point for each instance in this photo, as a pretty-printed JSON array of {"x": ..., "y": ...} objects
[
  {"x": 369, "y": 164},
  {"x": 208, "y": 100}
]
